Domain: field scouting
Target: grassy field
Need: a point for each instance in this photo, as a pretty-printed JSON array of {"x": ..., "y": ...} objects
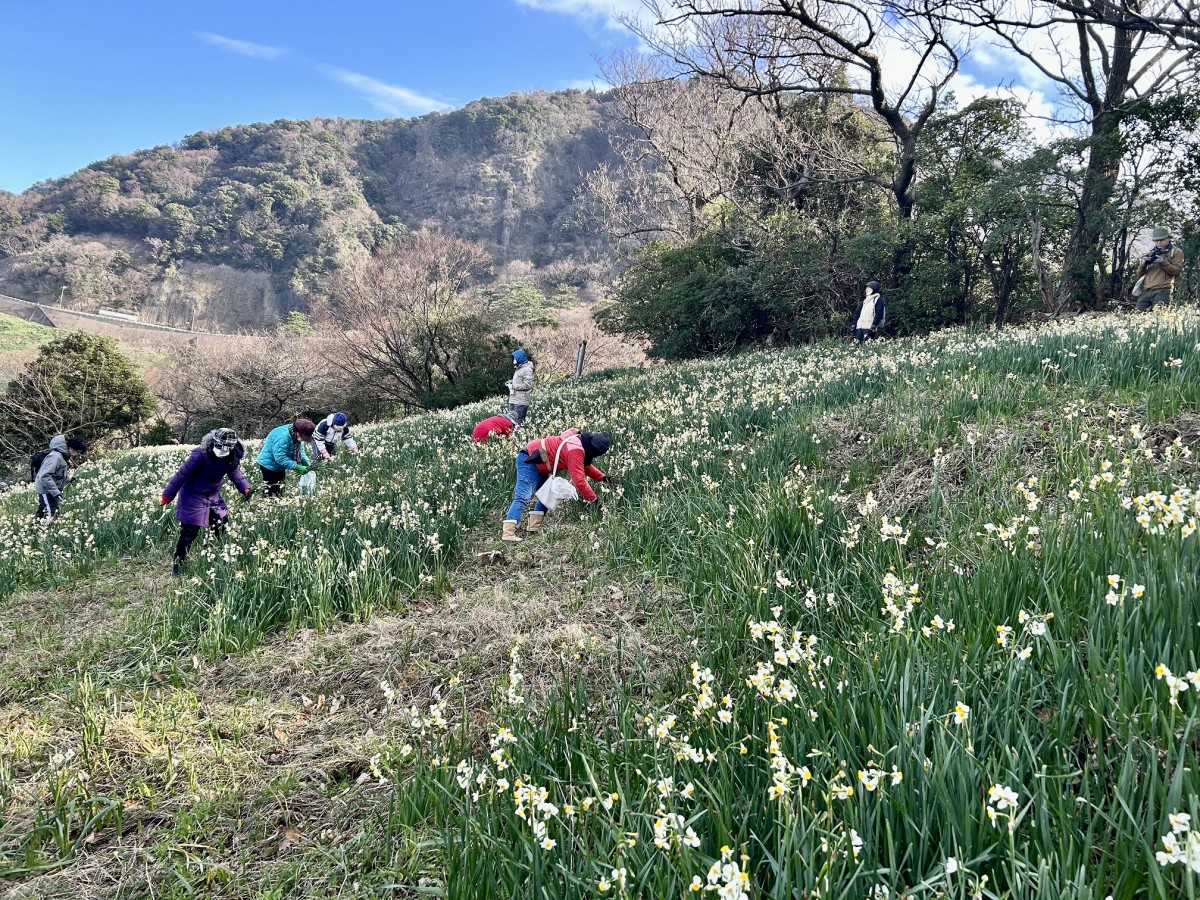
[
  {"x": 916, "y": 619},
  {"x": 19, "y": 342}
]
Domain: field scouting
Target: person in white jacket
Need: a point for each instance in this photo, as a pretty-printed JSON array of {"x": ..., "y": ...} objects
[
  {"x": 520, "y": 388},
  {"x": 870, "y": 316},
  {"x": 332, "y": 430}
]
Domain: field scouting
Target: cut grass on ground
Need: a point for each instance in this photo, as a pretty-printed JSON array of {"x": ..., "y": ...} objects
[{"x": 252, "y": 774}]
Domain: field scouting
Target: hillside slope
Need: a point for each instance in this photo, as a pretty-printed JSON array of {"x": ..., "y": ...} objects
[
  {"x": 233, "y": 227},
  {"x": 19, "y": 343},
  {"x": 909, "y": 619}
]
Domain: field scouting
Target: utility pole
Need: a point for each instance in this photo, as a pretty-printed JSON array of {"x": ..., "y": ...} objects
[{"x": 579, "y": 354}]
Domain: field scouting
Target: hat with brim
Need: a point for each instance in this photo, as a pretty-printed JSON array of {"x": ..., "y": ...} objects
[{"x": 1160, "y": 233}]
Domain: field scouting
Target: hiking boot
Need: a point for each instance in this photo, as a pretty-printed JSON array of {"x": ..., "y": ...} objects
[{"x": 177, "y": 568}]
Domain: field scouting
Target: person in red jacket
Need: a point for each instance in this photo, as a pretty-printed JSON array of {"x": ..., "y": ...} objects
[
  {"x": 501, "y": 425},
  {"x": 578, "y": 450}
]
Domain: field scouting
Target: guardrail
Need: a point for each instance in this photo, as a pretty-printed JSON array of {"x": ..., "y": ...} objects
[{"x": 109, "y": 320}]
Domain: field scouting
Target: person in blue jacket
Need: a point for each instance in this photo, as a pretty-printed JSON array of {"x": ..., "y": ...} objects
[{"x": 285, "y": 449}]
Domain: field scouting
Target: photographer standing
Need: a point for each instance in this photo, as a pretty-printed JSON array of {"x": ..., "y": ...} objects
[{"x": 1158, "y": 270}]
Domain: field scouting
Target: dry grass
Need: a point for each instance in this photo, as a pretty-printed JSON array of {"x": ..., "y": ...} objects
[{"x": 251, "y": 772}]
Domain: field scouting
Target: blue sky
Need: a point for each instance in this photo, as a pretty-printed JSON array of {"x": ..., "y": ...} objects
[{"x": 82, "y": 81}]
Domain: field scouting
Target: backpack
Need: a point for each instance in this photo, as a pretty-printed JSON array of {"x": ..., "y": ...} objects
[{"x": 35, "y": 463}]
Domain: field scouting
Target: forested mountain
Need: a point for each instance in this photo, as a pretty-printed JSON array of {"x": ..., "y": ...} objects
[{"x": 235, "y": 227}]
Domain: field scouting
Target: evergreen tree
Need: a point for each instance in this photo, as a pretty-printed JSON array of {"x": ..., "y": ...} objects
[{"x": 81, "y": 385}]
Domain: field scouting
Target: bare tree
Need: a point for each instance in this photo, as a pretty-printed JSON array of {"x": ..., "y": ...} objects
[
  {"x": 766, "y": 48},
  {"x": 399, "y": 316},
  {"x": 680, "y": 147},
  {"x": 555, "y": 347},
  {"x": 1106, "y": 58},
  {"x": 252, "y": 385}
]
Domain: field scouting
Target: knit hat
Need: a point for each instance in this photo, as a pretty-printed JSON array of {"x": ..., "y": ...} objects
[
  {"x": 873, "y": 287},
  {"x": 595, "y": 443},
  {"x": 304, "y": 429},
  {"x": 339, "y": 419},
  {"x": 1159, "y": 233},
  {"x": 519, "y": 357},
  {"x": 223, "y": 441}
]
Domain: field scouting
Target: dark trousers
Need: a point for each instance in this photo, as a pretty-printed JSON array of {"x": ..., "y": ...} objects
[
  {"x": 1146, "y": 302},
  {"x": 273, "y": 481},
  {"x": 189, "y": 533},
  {"x": 47, "y": 506},
  {"x": 517, "y": 413},
  {"x": 863, "y": 334}
]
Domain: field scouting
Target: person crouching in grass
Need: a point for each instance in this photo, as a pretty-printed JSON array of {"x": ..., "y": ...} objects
[
  {"x": 284, "y": 450},
  {"x": 502, "y": 425},
  {"x": 197, "y": 485},
  {"x": 573, "y": 451}
]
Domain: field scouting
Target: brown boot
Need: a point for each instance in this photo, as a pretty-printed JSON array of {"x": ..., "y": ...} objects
[
  {"x": 534, "y": 523},
  {"x": 510, "y": 532}
]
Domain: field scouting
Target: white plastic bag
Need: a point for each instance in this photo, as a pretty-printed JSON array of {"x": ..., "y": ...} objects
[
  {"x": 308, "y": 483},
  {"x": 555, "y": 490}
]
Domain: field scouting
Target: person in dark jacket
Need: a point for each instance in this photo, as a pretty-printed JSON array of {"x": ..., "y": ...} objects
[
  {"x": 871, "y": 315},
  {"x": 574, "y": 452},
  {"x": 197, "y": 485},
  {"x": 284, "y": 449},
  {"x": 54, "y": 473}
]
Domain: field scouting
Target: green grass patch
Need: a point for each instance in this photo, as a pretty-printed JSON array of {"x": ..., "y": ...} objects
[{"x": 910, "y": 619}]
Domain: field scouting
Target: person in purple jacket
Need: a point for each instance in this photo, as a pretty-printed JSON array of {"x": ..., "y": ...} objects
[{"x": 197, "y": 484}]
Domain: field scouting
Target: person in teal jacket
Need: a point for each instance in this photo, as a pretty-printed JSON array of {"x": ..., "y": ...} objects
[{"x": 285, "y": 448}]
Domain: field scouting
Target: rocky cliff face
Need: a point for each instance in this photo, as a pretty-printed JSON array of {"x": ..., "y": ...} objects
[{"x": 216, "y": 298}]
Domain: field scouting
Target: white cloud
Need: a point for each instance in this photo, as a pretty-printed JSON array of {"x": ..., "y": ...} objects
[
  {"x": 242, "y": 48},
  {"x": 590, "y": 10},
  {"x": 587, "y": 84},
  {"x": 388, "y": 98},
  {"x": 1040, "y": 112}
]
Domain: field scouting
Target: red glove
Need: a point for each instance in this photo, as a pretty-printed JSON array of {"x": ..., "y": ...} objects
[{"x": 163, "y": 501}]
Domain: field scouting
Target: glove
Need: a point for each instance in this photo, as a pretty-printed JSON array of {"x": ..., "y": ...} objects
[
  {"x": 246, "y": 495},
  {"x": 164, "y": 500},
  {"x": 301, "y": 469}
]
